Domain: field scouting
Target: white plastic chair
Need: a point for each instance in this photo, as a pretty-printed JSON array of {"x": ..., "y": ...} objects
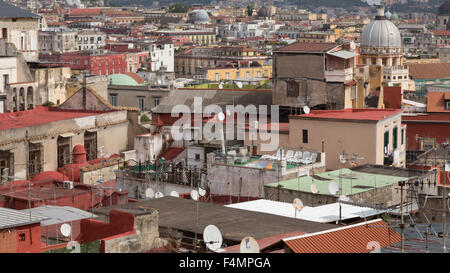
[
  {"x": 312, "y": 159},
  {"x": 306, "y": 156}
]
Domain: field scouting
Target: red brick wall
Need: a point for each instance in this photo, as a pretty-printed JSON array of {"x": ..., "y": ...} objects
[
  {"x": 8, "y": 241},
  {"x": 32, "y": 242}
]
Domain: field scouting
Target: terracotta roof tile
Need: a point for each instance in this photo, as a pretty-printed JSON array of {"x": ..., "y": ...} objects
[
  {"x": 349, "y": 239},
  {"x": 172, "y": 153}
]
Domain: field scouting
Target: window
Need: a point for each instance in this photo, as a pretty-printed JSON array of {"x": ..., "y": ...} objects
[
  {"x": 63, "y": 151},
  {"x": 90, "y": 145},
  {"x": 447, "y": 105},
  {"x": 403, "y": 136},
  {"x": 5, "y": 81},
  {"x": 305, "y": 136},
  {"x": 227, "y": 76},
  {"x": 386, "y": 142},
  {"x": 395, "y": 137},
  {"x": 22, "y": 237},
  {"x": 292, "y": 89},
  {"x": 35, "y": 158},
  {"x": 259, "y": 74},
  {"x": 197, "y": 157},
  {"x": 113, "y": 99},
  {"x": 156, "y": 101},
  {"x": 217, "y": 77},
  {"x": 427, "y": 144},
  {"x": 141, "y": 103},
  {"x": 247, "y": 74},
  {"x": 5, "y": 33},
  {"x": 237, "y": 75}
]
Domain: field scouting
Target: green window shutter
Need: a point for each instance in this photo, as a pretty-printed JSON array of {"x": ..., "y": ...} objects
[
  {"x": 395, "y": 137},
  {"x": 386, "y": 139},
  {"x": 403, "y": 137}
]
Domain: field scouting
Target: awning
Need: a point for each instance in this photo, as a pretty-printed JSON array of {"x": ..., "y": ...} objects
[
  {"x": 344, "y": 54},
  {"x": 67, "y": 135}
]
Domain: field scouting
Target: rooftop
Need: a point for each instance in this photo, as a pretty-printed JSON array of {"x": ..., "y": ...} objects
[
  {"x": 429, "y": 70},
  {"x": 353, "y": 181},
  {"x": 13, "y": 218},
  {"x": 40, "y": 115},
  {"x": 307, "y": 47},
  {"x": 235, "y": 224},
  {"x": 350, "y": 239},
  {"x": 10, "y": 11},
  {"x": 351, "y": 114}
]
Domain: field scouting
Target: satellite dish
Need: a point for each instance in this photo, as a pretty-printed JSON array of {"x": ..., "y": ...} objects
[
  {"x": 333, "y": 188},
  {"x": 239, "y": 84},
  {"x": 249, "y": 245},
  {"x": 194, "y": 195},
  {"x": 159, "y": 195},
  {"x": 201, "y": 191},
  {"x": 159, "y": 82},
  {"x": 314, "y": 188},
  {"x": 66, "y": 230},
  {"x": 306, "y": 109},
  {"x": 344, "y": 198},
  {"x": 174, "y": 194},
  {"x": 342, "y": 159},
  {"x": 149, "y": 193},
  {"x": 298, "y": 204},
  {"x": 221, "y": 116},
  {"x": 220, "y": 86},
  {"x": 212, "y": 237}
]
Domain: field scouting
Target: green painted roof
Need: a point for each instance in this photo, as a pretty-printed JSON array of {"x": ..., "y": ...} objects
[
  {"x": 122, "y": 79},
  {"x": 367, "y": 180}
]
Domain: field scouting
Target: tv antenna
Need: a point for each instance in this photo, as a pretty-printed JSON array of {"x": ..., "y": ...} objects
[
  {"x": 212, "y": 237},
  {"x": 249, "y": 245}
]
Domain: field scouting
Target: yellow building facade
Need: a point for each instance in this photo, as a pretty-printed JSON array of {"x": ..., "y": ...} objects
[{"x": 221, "y": 74}]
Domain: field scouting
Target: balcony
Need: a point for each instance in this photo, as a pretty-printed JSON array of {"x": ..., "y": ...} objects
[{"x": 343, "y": 75}]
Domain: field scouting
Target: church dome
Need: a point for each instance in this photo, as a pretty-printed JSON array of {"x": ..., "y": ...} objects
[
  {"x": 444, "y": 9},
  {"x": 201, "y": 16},
  {"x": 264, "y": 12},
  {"x": 381, "y": 33}
]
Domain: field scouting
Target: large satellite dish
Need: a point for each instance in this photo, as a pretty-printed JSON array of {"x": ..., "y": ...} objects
[
  {"x": 66, "y": 230},
  {"x": 201, "y": 191},
  {"x": 149, "y": 193},
  {"x": 298, "y": 204},
  {"x": 306, "y": 109},
  {"x": 212, "y": 237},
  {"x": 174, "y": 194},
  {"x": 333, "y": 188},
  {"x": 249, "y": 245},
  {"x": 159, "y": 195},
  {"x": 194, "y": 195},
  {"x": 314, "y": 188}
]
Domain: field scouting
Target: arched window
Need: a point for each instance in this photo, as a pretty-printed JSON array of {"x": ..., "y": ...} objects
[
  {"x": 21, "y": 99},
  {"x": 30, "y": 99}
]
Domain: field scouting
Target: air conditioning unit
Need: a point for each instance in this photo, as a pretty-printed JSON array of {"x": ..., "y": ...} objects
[{"x": 68, "y": 185}]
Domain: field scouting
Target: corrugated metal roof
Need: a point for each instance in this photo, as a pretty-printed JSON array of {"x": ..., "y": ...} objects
[
  {"x": 322, "y": 214},
  {"x": 359, "y": 238},
  {"x": 57, "y": 215},
  {"x": 344, "y": 54},
  {"x": 11, "y": 11},
  {"x": 13, "y": 218}
]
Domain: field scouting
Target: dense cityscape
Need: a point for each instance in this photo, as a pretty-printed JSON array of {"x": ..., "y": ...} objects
[{"x": 289, "y": 126}]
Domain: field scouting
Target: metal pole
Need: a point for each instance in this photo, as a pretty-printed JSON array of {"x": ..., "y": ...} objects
[
  {"x": 196, "y": 223},
  {"x": 444, "y": 197},
  {"x": 402, "y": 226}
]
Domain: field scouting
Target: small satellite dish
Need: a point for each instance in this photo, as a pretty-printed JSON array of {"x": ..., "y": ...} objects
[
  {"x": 159, "y": 82},
  {"x": 212, "y": 237},
  {"x": 333, "y": 188},
  {"x": 306, "y": 109},
  {"x": 221, "y": 116},
  {"x": 220, "y": 86},
  {"x": 159, "y": 195},
  {"x": 342, "y": 159},
  {"x": 314, "y": 188},
  {"x": 249, "y": 245},
  {"x": 201, "y": 191},
  {"x": 66, "y": 230},
  {"x": 344, "y": 198},
  {"x": 239, "y": 84},
  {"x": 298, "y": 204},
  {"x": 174, "y": 194},
  {"x": 149, "y": 193},
  {"x": 194, "y": 195}
]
